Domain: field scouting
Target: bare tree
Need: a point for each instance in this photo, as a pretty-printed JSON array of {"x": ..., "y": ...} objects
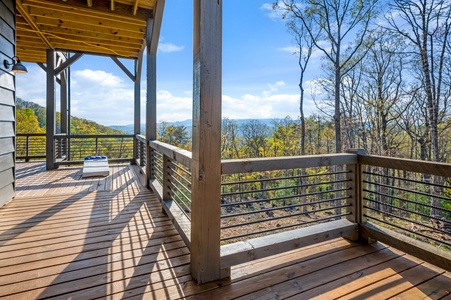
[
  {"x": 426, "y": 25},
  {"x": 330, "y": 24},
  {"x": 305, "y": 46}
]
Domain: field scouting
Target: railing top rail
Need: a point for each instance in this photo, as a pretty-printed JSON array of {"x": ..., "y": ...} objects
[
  {"x": 233, "y": 166},
  {"x": 86, "y": 136},
  {"x": 411, "y": 165},
  {"x": 141, "y": 138},
  {"x": 30, "y": 134},
  {"x": 180, "y": 155}
]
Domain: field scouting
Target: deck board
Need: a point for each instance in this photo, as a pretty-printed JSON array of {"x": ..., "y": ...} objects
[{"x": 68, "y": 237}]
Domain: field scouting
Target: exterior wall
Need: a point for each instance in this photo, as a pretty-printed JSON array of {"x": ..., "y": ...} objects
[{"x": 7, "y": 101}]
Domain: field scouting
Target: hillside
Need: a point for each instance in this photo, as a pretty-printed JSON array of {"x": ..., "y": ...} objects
[
  {"x": 78, "y": 125},
  {"x": 128, "y": 129}
]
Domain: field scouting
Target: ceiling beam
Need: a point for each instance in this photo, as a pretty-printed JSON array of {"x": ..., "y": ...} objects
[
  {"x": 23, "y": 11},
  {"x": 67, "y": 63},
  {"x": 123, "y": 68},
  {"x": 135, "y": 7}
]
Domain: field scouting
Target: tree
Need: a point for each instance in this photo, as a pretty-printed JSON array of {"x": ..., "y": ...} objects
[
  {"x": 230, "y": 140},
  {"x": 305, "y": 46},
  {"x": 175, "y": 135},
  {"x": 27, "y": 122},
  {"x": 426, "y": 26},
  {"x": 330, "y": 24},
  {"x": 255, "y": 135}
]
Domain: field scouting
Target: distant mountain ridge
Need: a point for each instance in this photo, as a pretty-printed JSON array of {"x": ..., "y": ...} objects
[{"x": 129, "y": 129}]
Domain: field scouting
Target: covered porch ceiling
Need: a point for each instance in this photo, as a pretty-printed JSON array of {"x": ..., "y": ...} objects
[{"x": 102, "y": 27}]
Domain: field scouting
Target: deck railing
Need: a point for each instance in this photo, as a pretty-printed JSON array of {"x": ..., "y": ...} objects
[
  {"x": 30, "y": 146},
  {"x": 71, "y": 149},
  {"x": 271, "y": 205}
]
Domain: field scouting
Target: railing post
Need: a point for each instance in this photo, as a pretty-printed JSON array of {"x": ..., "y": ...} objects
[
  {"x": 141, "y": 153},
  {"x": 97, "y": 146},
  {"x": 355, "y": 192},
  {"x": 166, "y": 178},
  {"x": 27, "y": 149}
]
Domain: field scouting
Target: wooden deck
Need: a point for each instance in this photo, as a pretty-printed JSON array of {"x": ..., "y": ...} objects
[{"x": 61, "y": 239}]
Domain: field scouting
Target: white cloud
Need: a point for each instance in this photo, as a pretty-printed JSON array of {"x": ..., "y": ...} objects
[
  {"x": 173, "y": 108},
  {"x": 107, "y": 99},
  {"x": 273, "y": 88},
  {"x": 290, "y": 49},
  {"x": 274, "y": 14},
  {"x": 96, "y": 79},
  {"x": 169, "y": 47}
]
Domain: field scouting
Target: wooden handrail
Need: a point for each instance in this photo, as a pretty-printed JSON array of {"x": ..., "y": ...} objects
[
  {"x": 419, "y": 166},
  {"x": 232, "y": 166}
]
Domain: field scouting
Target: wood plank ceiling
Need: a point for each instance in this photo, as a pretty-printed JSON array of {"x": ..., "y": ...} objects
[{"x": 105, "y": 27}]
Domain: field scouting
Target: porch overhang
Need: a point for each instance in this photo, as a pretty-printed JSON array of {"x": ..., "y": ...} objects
[{"x": 101, "y": 27}]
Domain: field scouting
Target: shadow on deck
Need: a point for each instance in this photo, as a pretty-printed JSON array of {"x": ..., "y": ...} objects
[{"x": 68, "y": 237}]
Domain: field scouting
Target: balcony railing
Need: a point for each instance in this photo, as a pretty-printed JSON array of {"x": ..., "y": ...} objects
[
  {"x": 270, "y": 205},
  {"x": 71, "y": 149}
]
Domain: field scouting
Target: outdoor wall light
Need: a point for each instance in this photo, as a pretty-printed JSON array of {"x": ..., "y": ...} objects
[{"x": 17, "y": 65}]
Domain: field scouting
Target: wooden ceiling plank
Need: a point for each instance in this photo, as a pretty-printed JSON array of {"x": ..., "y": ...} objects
[
  {"x": 22, "y": 10},
  {"x": 60, "y": 16},
  {"x": 77, "y": 47},
  {"x": 122, "y": 13},
  {"x": 80, "y": 29}
]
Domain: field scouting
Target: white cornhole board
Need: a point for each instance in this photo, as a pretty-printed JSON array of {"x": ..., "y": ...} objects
[{"x": 95, "y": 166}]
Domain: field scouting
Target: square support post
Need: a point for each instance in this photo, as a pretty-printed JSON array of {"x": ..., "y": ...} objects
[
  {"x": 151, "y": 111},
  {"x": 206, "y": 155},
  {"x": 355, "y": 193},
  {"x": 50, "y": 111},
  {"x": 137, "y": 107}
]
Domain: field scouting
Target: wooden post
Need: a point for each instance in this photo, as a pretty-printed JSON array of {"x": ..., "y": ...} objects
[
  {"x": 151, "y": 111},
  {"x": 206, "y": 156},
  {"x": 356, "y": 193},
  {"x": 166, "y": 178},
  {"x": 152, "y": 36},
  {"x": 63, "y": 104},
  {"x": 50, "y": 111},
  {"x": 137, "y": 110}
]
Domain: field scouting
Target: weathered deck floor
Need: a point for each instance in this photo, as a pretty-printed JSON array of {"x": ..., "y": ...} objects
[{"x": 72, "y": 243}]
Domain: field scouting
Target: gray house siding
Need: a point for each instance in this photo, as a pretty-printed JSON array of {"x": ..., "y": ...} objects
[{"x": 7, "y": 102}]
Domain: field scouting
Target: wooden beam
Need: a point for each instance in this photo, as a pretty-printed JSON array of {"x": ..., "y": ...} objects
[
  {"x": 50, "y": 110},
  {"x": 68, "y": 63},
  {"x": 112, "y": 6},
  {"x": 123, "y": 68},
  {"x": 421, "y": 250},
  {"x": 23, "y": 11},
  {"x": 122, "y": 14},
  {"x": 233, "y": 166},
  {"x": 135, "y": 7},
  {"x": 206, "y": 141},
  {"x": 241, "y": 252},
  {"x": 411, "y": 165}
]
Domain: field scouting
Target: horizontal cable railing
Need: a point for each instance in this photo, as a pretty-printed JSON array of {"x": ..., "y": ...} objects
[
  {"x": 141, "y": 153},
  {"x": 170, "y": 173},
  {"x": 74, "y": 148},
  {"x": 277, "y": 199},
  {"x": 30, "y": 146},
  {"x": 412, "y": 199}
]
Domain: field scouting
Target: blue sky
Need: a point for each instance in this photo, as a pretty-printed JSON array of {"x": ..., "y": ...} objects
[{"x": 260, "y": 72}]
